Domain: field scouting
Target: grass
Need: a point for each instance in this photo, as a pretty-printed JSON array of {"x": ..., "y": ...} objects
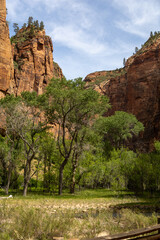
[{"x": 83, "y": 215}]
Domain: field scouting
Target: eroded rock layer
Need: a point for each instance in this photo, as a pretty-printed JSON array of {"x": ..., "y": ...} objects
[
  {"x": 135, "y": 89},
  {"x": 33, "y": 63},
  {"x": 6, "y": 59},
  {"x": 28, "y": 64}
]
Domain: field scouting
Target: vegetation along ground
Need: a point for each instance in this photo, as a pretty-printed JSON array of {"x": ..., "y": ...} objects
[{"x": 86, "y": 214}]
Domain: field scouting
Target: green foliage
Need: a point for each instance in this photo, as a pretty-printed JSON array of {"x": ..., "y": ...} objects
[
  {"x": 106, "y": 75},
  {"x": 71, "y": 99},
  {"x": 82, "y": 215},
  {"x": 30, "y": 21},
  {"x": 24, "y": 25},
  {"x": 27, "y": 31},
  {"x": 157, "y": 146},
  {"x": 118, "y": 128},
  {"x": 36, "y": 24},
  {"x": 136, "y": 49},
  {"x": 23, "y": 122},
  {"x": 49, "y": 155},
  {"x": 73, "y": 108},
  {"x": 124, "y": 62},
  {"x": 152, "y": 39},
  {"x": 15, "y": 65},
  {"x": 15, "y": 27},
  {"x": 41, "y": 25},
  {"x": 85, "y": 149},
  {"x": 31, "y": 33}
]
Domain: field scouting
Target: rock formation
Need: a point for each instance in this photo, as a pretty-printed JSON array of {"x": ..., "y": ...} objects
[
  {"x": 136, "y": 89},
  {"x": 33, "y": 61},
  {"x": 28, "y": 64},
  {"x": 6, "y": 59}
]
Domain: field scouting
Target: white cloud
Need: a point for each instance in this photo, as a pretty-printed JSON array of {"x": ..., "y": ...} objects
[
  {"x": 13, "y": 7},
  {"x": 91, "y": 33},
  {"x": 138, "y": 16},
  {"x": 77, "y": 39}
]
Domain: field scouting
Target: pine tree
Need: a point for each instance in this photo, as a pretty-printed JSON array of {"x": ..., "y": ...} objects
[
  {"x": 30, "y": 21},
  {"x": 24, "y": 25},
  {"x": 31, "y": 33},
  {"x": 41, "y": 25},
  {"x": 36, "y": 24},
  {"x": 16, "y": 27},
  {"x": 151, "y": 34},
  {"x": 124, "y": 62},
  {"x": 136, "y": 49}
]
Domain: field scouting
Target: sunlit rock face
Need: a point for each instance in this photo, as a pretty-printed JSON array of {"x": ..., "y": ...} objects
[
  {"x": 6, "y": 59},
  {"x": 28, "y": 64},
  {"x": 135, "y": 89},
  {"x": 34, "y": 66}
]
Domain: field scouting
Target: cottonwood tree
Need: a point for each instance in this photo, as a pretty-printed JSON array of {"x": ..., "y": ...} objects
[
  {"x": 9, "y": 152},
  {"x": 118, "y": 128},
  {"x": 72, "y": 108},
  {"x": 49, "y": 156},
  {"x": 23, "y": 120}
]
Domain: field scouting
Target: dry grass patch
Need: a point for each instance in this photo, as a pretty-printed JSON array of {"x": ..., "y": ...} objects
[{"x": 44, "y": 218}]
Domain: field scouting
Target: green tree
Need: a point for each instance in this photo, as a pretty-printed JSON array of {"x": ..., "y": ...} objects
[
  {"x": 15, "y": 27},
  {"x": 124, "y": 62},
  {"x": 24, "y": 25},
  {"x": 41, "y": 25},
  {"x": 49, "y": 155},
  {"x": 31, "y": 33},
  {"x": 151, "y": 34},
  {"x": 30, "y": 21},
  {"x": 72, "y": 108},
  {"x": 36, "y": 24},
  {"x": 118, "y": 128},
  {"x": 9, "y": 154},
  {"x": 22, "y": 119},
  {"x": 136, "y": 49}
]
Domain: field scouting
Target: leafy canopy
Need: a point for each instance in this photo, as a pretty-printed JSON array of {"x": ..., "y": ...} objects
[
  {"x": 69, "y": 102},
  {"x": 119, "y": 127}
]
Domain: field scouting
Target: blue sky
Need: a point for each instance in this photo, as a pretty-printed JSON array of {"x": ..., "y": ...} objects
[{"x": 90, "y": 35}]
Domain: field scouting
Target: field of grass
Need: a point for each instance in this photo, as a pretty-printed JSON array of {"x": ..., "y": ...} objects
[{"x": 86, "y": 214}]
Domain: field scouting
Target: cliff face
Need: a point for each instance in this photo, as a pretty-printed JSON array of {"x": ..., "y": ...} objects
[
  {"x": 33, "y": 62},
  {"x": 135, "y": 89},
  {"x": 28, "y": 64},
  {"x": 6, "y": 60}
]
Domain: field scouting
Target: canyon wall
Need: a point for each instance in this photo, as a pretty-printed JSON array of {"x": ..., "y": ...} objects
[
  {"x": 27, "y": 64},
  {"x": 135, "y": 89},
  {"x": 33, "y": 62},
  {"x": 6, "y": 58}
]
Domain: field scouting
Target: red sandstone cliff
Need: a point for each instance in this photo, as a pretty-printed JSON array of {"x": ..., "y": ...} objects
[
  {"x": 136, "y": 89},
  {"x": 6, "y": 60},
  {"x": 33, "y": 61},
  {"x": 28, "y": 64}
]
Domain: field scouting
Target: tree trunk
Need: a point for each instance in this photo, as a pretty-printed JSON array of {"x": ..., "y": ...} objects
[
  {"x": 25, "y": 189},
  {"x": 27, "y": 172},
  {"x": 73, "y": 173},
  {"x": 61, "y": 175},
  {"x": 9, "y": 180},
  {"x": 49, "y": 171},
  {"x": 44, "y": 174},
  {"x": 73, "y": 179},
  {"x": 60, "y": 180}
]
